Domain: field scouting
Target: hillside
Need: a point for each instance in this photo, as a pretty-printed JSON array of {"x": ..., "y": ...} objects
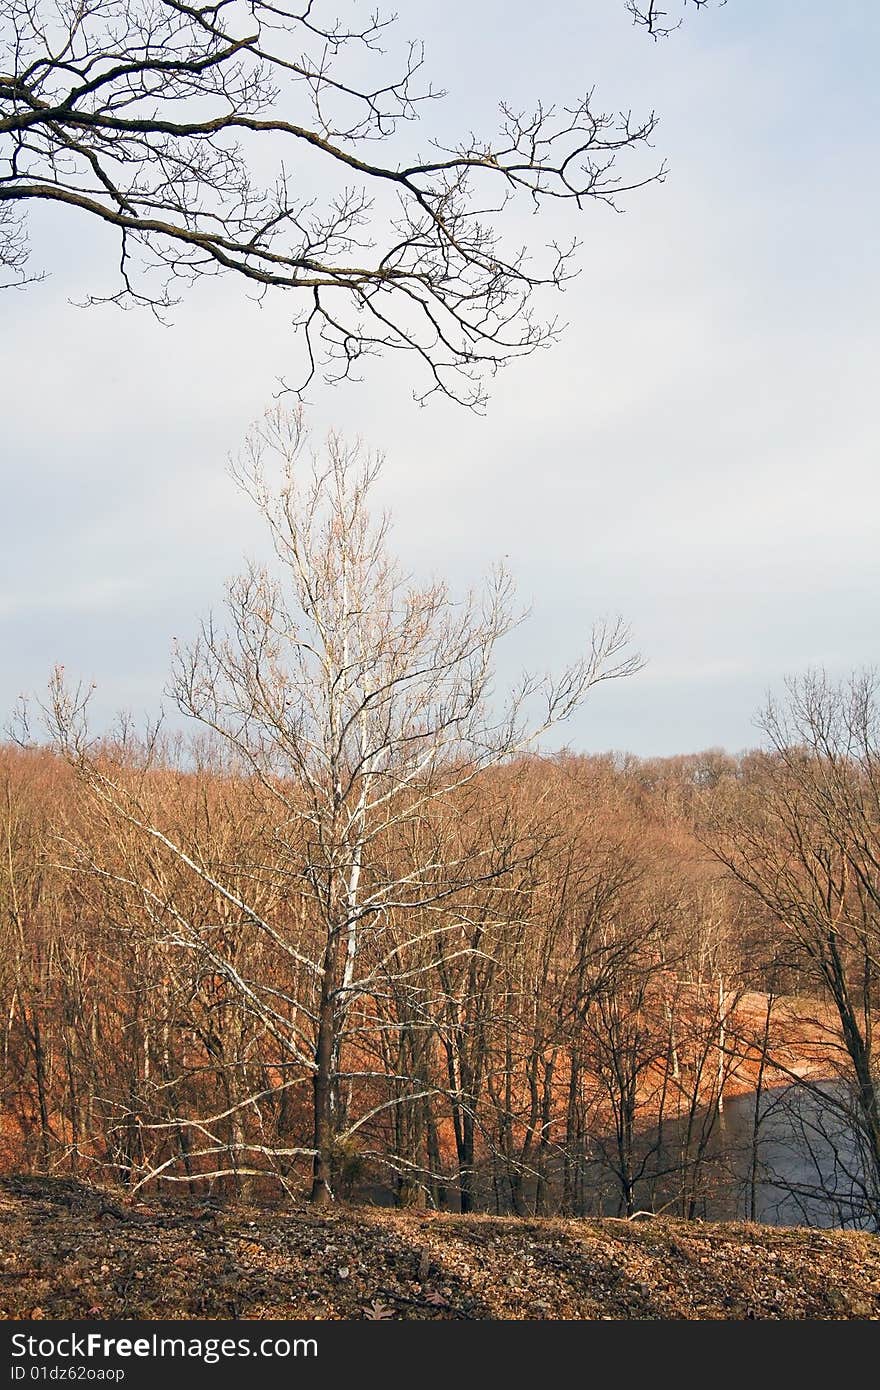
[{"x": 72, "y": 1252}]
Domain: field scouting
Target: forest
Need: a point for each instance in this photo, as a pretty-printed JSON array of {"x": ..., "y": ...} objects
[
  {"x": 358, "y": 937},
  {"x": 355, "y": 964}
]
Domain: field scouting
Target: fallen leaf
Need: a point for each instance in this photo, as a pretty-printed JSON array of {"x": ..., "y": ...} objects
[{"x": 378, "y": 1311}]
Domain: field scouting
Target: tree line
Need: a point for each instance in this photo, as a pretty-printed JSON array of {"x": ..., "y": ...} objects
[{"x": 358, "y": 936}]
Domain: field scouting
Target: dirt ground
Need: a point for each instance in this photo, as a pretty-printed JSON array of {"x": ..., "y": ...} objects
[{"x": 73, "y": 1252}]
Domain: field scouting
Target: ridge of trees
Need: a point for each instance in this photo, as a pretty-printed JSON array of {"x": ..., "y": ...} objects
[{"x": 566, "y": 1046}]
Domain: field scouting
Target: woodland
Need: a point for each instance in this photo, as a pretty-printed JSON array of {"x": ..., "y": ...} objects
[
  {"x": 346, "y": 988},
  {"x": 347, "y": 932}
]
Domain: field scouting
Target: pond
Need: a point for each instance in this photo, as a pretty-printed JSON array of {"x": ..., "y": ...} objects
[
  {"x": 805, "y": 1165},
  {"x": 801, "y": 1165}
]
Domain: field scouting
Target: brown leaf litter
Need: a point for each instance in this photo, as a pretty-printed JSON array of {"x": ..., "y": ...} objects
[{"x": 68, "y": 1251}]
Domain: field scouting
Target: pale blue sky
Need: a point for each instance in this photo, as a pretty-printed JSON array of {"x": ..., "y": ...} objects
[{"x": 699, "y": 452}]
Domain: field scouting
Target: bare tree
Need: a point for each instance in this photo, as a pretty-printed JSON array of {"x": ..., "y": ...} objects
[
  {"x": 806, "y": 842},
  {"x": 153, "y": 117},
  {"x": 353, "y": 703},
  {"x": 658, "y": 22}
]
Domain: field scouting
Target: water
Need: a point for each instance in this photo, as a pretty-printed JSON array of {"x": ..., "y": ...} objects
[
  {"x": 807, "y": 1166},
  {"x": 803, "y": 1166}
]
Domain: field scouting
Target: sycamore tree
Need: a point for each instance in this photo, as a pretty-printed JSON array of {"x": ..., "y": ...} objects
[{"x": 355, "y": 706}]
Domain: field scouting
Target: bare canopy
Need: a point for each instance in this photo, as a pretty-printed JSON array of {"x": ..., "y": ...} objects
[
  {"x": 658, "y": 22},
  {"x": 270, "y": 141},
  {"x": 360, "y": 707}
]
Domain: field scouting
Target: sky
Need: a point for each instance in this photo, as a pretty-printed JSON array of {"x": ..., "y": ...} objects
[{"x": 698, "y": 453}]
